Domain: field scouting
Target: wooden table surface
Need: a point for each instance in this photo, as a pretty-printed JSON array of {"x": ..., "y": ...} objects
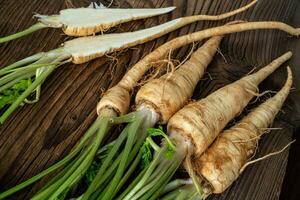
[{"x": 36, "y": 136}]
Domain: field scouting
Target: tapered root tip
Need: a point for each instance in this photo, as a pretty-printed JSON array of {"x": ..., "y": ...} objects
[
  {"x": 289, "y": 54},
  {"x": 289, "y": 76},
  {"x": 262, "y": 74},
  {"x": 289, "y": 71},
  {"x": 237, "y": 11},
  {"x": 252, "y": 3},
  {"x": 169, "y": 9},
  {"x": 164, "y": 10}
]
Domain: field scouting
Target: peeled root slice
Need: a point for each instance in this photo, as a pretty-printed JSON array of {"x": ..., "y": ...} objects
[
  {"x": 88, "y": 21},
  {"x": 96, "y": 46},
  {"x": 221, "y": 164},
  {"x": 87, "y": 48}
]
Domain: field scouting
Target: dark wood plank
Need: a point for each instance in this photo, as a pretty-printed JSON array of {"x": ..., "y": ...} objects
[{"x": 36, "y": 136}]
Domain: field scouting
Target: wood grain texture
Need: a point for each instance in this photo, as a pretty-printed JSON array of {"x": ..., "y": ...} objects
[{"x": 38, "y": 135}]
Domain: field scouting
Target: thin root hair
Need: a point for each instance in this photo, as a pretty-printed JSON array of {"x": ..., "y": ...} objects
[
  {"x": 266, "y": 156},
  {"x": 222, "y": 55},
  {"x": 260, "y": 95},
  {"x": 69, "y": 4},
  {"x": 188, "y": 55}
]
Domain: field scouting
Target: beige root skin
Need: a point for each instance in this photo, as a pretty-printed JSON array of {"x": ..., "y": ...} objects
[
  {"x": 196, "y": 18},
  {"x": 220, "y": 165},
  {"x": 172, "y": 91},
  {"x": 131, "y": 78},
  {"x": 138, "y": 70},
  {"x": 203, "y": 120},
  {"x": 177, "y": 86},
  {"x": 116, "y": 99}
]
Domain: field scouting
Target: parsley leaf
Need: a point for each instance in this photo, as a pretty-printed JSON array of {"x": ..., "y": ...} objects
[
  {"x": 159, "y": 132},
  {"x": 92, "y": 171},
  {"x": 146, "y": 154},
  {"x": 96, "y": 164},
  {"x": 148, "y": 145},
  {"x": 9, "y": 95}
]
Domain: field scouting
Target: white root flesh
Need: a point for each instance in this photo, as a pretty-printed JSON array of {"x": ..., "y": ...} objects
[
  {"x": 88, "y": 21},
  {"x": 87, "y": 48}
]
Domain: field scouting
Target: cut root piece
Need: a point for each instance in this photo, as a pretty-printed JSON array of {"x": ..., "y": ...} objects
[{"x": 89, "y": 21}]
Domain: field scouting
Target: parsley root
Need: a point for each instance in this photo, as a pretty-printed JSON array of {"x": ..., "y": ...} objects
[{"x": 89, "y": 21}]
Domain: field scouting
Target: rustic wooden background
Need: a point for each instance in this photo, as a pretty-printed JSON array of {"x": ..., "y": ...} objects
[{"x": 36, "y": 136}]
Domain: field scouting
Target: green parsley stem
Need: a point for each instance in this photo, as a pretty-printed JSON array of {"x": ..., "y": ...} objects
[
  {"x": 27, "y": 92},
  {"x": 50, "y": 189},
  {"x": 158, "y": 184},
  {"x": 22, "y": 62},
  {"x": 27, "y": 31},
  {"x": 57, "y": 165},
  {"x": 174, "y": 184},
  {"x": 184, "y": 192},
  {"x": 82, "y": 168},
  {"x": 97, "y": 180},
  {"x": 13, "y": 82},
  {"x": 147, "y": 174},
  {"x": 153, "y": 144},
  {"x": 133, "y": 129},
  {"x": 129, "y": 171}
]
